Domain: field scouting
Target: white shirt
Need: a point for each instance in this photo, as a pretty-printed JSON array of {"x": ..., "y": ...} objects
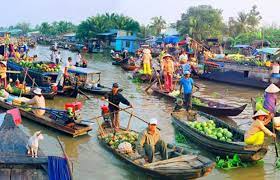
[
  {"x": 79, "y": 59},
  {"x": 65, "y": 65},
  {"x": 183, "y": 57},
  {"x": 275, "y": 68}
]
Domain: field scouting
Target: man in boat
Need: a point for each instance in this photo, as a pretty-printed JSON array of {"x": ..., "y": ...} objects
[
  {"x": 255, "y": 134},
  {"x": 38, "y": 101},
  {"x": 63, "y": 71},
  {"x": 115, "y": 98},
  {"x": 187, "y": 84},
  {"x": 168, "y": 70},
  {"x": 149, "y": 142}
]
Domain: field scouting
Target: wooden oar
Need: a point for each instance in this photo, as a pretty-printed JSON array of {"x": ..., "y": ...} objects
[
  {"x": 11, "y": 72},
  {"x": 275, "y": 141},
  {"x": 128, "y": 112},
  {"x": 24, "y": 79},
  {"x": 151, "y": 85},
  {"x": 67, "y": 158},
  {"x": 84, "y": 94}
]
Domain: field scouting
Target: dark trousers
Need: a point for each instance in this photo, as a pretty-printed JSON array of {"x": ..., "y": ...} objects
[
  {"x": 159, "y": 147},
  {"x": 188, "y": 101}
]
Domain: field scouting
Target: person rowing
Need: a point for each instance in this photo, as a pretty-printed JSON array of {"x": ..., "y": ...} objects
[
  {"x": 270, "y": 99},
  {"x": 150, "y": 142},
  {"x": 38, "y": 101}
]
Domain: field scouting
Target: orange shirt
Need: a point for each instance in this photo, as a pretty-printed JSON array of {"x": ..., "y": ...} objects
[
  {"x": 147, "y": 58},
  {"x": 168, "y": 66},
  {"x": 255, "y": 127}
]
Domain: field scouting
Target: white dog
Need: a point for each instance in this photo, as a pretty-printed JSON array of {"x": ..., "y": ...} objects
[{"x": 33, "y": 144}]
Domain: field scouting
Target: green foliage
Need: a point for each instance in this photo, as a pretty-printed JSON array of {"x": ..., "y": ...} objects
[
  {"x": 56, "y": 28},
  {"x": 229, "y": 163},
  {"x": 102, "y": 23},
  {"x": 180, "y": 138},
  {"x": 201, "y": 22},
  {"x": 24, "y": 26},
  {"x": 158, "y": 23}
]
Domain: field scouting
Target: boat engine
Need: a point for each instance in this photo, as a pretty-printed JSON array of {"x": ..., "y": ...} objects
[{"x": 74, "y": 111}]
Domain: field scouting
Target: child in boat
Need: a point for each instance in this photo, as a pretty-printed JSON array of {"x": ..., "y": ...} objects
[{"x": 255, "y": 134}]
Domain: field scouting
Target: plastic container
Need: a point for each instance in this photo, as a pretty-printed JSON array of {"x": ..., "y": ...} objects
[{"x": 75, "y": 106}]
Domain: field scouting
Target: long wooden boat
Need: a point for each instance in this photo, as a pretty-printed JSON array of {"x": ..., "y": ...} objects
[
  {"x": 14, "y": 161},
  {"x": 234, "y": 78},
  {"x": 180, "y": 165},
  {"x": 47, "y": 95},
  {"x": 215, "y": 146},
  {"x": 48, "y": 120},
  {"x": 128, "y": 67},
  {"x": 207, "y": 106}
]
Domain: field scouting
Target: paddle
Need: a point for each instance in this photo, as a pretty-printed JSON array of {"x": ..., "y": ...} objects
[
  {"x": 275, "y": 141},
  {"x": 84, "y": 94},
  {"x": 128, "y": 112},
  {"x": 46, "y": 109}
]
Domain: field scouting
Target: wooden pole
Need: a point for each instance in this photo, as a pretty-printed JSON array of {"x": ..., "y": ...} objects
[
  {"x": 102, "y": 133},
  {"x": 24, "y": 79},
  {"x": 66, "y": 157},
  {"x": 128, "y": 112},
  {"x": 128, "y": 125}
]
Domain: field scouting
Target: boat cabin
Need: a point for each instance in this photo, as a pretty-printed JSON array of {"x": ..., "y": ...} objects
[{"x": 86, "y": 76}]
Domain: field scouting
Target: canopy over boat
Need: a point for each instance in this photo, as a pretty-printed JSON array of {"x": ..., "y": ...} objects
[
  {"x": 272, "y": 51},
  {"x": 85, "y": 71}
]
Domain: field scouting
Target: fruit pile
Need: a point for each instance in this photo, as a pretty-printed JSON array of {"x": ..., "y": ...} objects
[
  {"x": 209, "y": 128},
  {"x": 174, "y": 93},
  {"x": 198, "y": 102},
  {"x": 114, "y": 140},
  {"x": 40, "y": 66}
]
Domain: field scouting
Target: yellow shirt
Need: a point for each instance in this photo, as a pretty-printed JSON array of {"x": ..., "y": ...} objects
[
  {"x": 147, "y": 58},
  {"x": 168, "y": 66},
  {"x": 147, "y": 138},
  {"x": 3, "y": 72}
]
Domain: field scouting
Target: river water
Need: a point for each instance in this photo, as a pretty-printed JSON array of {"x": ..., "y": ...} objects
[{"x": 92, "y": 161}]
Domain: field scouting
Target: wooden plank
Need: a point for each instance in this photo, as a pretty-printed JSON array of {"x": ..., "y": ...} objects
[
  {"x": 172, "y": 160},
  {"x": 23, "y": 160},
  {"x": 5, "y": 173}
]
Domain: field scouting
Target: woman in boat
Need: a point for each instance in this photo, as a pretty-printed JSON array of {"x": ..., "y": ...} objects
[
  {"x": 147, "y": 60},
  {"x": 114, "y": 99},
  {"x": 38, "y": 101},
  {"x": 168, "y": 70},
  {"x": 255, "y": 134},
  {"x": 63, "y": 71},
  {"x": 149, "y": 142},
  {"x": 270, "y": 98},
  {"x": 3, "y": 73}
]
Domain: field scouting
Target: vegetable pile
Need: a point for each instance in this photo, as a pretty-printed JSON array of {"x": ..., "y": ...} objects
[
  {"x": 198, "y": 102},
  {"x": 174, "y": 93},
  {"x": 40, "y": 66},
  {"x": 228, "y": 163},
  {"x": 209, "y": 128},
  {"x": 114, "y": 140}
]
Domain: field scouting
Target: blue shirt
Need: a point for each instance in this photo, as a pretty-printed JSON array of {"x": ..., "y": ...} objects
[{"x": 187, "y": 85}]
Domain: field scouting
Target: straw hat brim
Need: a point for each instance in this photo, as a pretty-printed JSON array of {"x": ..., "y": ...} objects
[
  {"x": 272, "y": 88},
  {"x": 259, "y": 113}
]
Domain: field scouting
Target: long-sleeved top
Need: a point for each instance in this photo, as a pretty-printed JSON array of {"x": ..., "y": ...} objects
[
  {"x": 270, "y": 100},
  {"x": 145, "y": 137},
  {"x": 39, "y": 102},
  {"x": 255, "y": 127},
  {"x": 116, "y": 99}
]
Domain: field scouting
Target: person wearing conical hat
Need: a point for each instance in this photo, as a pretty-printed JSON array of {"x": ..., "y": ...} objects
[
  {"x": 3, "y": 73},
  {"x": 270, "y": 98},
  {"x": 147, "y": 60},
  {"x": 255, "y": 134},
  {"x": 38, "y": 101},
  {"x": 168, "y": 70}
]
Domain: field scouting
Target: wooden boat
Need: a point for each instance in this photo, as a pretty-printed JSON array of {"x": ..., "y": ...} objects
[
  {"x": 213, "y": 108},
  {"x": 47, "y": 95},
  {"x": 234, "y": 78},
  {"x": 217, "y": 147},
  {"x": 180, "y": 165},
  {"x": 49, "y": 120},
  {"x": 14, "y": 161},
  {"x": 128, "y": 67},
  {"x": 87, "y": 77}
]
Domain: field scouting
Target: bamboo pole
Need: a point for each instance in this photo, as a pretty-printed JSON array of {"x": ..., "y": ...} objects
[
  {"x": 66, "y": 157},
  {"x": 129, "y": 121},
  {"x": 24, "y": 79}
]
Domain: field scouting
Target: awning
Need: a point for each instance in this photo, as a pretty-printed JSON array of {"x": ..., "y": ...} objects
[
  {"x": 272, "y": 51},
  {"x": 171, "y": 39},
  {"x": 241, "y": 46},
  {"x": 80, "y": 70}
]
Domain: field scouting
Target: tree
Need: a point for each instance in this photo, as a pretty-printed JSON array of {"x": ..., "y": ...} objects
[
  {"x": 45, "y": 28},
  {"x": 145, "y": 31},
  {"x": 201, "y": 22},
  {"x": 158, "y": 23},
  {"x": 56, "y": 28},
  {"x": 24, "y": 26}
]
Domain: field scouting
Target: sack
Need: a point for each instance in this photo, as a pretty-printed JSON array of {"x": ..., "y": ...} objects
[{"x": 125, "y": 148}]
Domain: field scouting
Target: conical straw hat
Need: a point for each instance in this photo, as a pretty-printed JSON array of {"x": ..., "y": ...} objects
[
  {"x": 272, "y": 88},
  {"x": 260, "y": 113}
]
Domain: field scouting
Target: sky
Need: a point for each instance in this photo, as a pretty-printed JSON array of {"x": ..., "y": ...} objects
[{"x": 38, "y": 11}]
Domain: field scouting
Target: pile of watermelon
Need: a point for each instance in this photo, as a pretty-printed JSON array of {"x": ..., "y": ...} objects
[{"x": 209, "y": 128}]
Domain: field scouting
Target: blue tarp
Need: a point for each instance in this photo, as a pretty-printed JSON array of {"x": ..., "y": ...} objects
[
  {"x": 241, "y": 46},
  {"x": 58, "y": 168},
  {"x": 80, "y": 70},
  {"x": 171, "y": 39},
  {"x": 272, "y": 51}
]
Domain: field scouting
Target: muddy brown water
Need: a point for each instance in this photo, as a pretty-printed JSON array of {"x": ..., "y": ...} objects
[{"x": 92, "y": 161}]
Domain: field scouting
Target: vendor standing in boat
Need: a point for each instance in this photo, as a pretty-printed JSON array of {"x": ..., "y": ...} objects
[
  {"x": 149, "y": 142},
  {"x": 270, "y": 99},
  {"x": 38, "y": 101},
  {"x": 168, "y": 70},
  {"x": 115, "y": 98},
  {"x": 255, "y": 134},
  {"x": 147, "y": 60},
  {"x": 187, "y": 84},
  {"x": 63, "y": 71}
]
